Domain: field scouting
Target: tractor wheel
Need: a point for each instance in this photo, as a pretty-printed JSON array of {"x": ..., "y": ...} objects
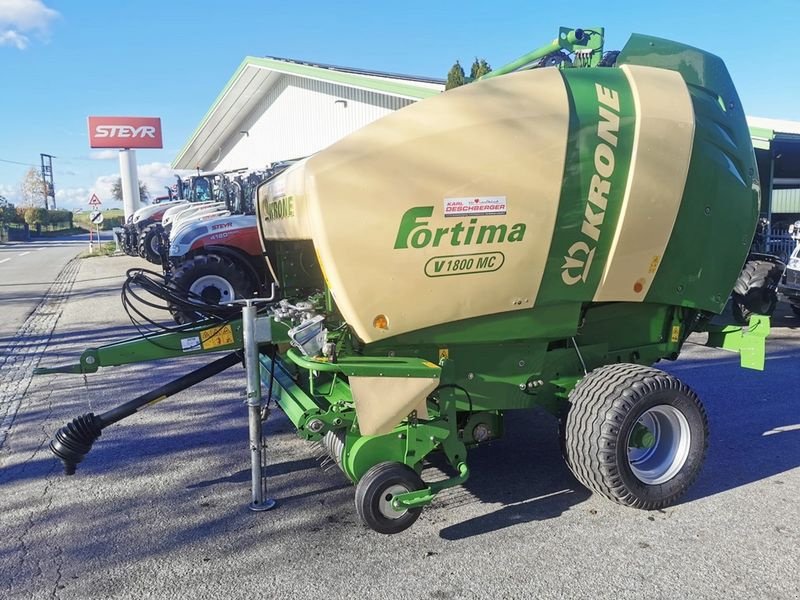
[
  {"x": 636, "y": 435},
  {"x": 755, "y": 290},
  {"x": 130, "y": 241},
  {"x": 150, "y": 243},
  {"x": 208, "y": 278},
  {"x": 795, "y": 309},
  {"x": 374, "y": 493}
]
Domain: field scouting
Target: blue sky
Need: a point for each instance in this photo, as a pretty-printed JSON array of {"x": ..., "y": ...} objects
[{"x": 62, "y": 60}]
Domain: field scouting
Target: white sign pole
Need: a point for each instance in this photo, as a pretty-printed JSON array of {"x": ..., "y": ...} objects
[{"x": 129, "y": 177}]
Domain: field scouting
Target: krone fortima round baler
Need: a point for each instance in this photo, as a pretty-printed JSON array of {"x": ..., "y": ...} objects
[{"x": 537, "y": 238}]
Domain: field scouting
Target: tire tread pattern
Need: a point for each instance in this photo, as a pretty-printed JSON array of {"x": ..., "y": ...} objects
[
  {"x": 186, "y": 273},
  {"x": 600, "y": 403},
  {"x": 145, "y": 239}
]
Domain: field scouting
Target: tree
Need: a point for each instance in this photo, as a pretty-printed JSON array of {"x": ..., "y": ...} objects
[
  {"x": 32, "y": 189},
  {"x": 479, "y": 68},
  {"x": 116, "y": 191},
  {"x": 35, "y": 215},
  {"x": 8, "y": 214},
  {"x": 455, "y": 77}
]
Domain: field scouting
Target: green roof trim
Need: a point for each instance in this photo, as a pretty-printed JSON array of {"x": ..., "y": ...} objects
[
  {"x": 350, "y": 79},
  {"x": 761, "y": 133}
]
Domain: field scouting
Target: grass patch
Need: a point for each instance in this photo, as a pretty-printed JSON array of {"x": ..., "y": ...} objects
[
  {"x": 113, "y": 217},
  {"x": 104, "y": 249}
]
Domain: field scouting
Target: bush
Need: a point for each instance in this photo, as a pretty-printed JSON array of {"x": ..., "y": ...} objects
[
  {"x": 35, "y": 216},
  {"x": 111, "y": 222},
  {"x": 60, "y": 217}
]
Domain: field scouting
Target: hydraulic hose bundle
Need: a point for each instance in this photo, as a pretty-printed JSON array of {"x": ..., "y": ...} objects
[{"x": 144, "y": 289}]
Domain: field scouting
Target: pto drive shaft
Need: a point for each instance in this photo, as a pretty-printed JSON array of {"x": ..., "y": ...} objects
[{"x": 73, "y": 441}]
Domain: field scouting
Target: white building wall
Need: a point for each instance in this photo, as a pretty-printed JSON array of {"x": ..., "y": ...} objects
[{"x": 298, "y": 117}]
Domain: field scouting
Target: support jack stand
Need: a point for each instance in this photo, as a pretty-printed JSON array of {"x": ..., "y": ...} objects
[{"x": 259, "y": 501}]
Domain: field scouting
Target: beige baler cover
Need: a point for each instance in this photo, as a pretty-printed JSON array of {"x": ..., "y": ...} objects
[{"x": 350, "y": 200}]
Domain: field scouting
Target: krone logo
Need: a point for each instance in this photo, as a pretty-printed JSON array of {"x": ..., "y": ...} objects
[
  {"x": 577, "y": 263},
  {"x": 578, "y": 260}
]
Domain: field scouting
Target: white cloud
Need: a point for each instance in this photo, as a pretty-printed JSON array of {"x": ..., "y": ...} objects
[
  {"x": 71, "y": 198},
  {"x": 21, "y": 17},
  {"x": 154, "y": 175},
  {"x": 104, "y": 154},
  {"x": 10, "y": 193},
  {"x": 12, "y": 38}
]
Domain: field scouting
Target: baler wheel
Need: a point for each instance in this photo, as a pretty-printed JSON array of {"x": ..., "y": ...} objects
[
  {"x": 374, "y": 493},
  {"x": 636, "y": 435},
  {"x": 149, "y": 244}
]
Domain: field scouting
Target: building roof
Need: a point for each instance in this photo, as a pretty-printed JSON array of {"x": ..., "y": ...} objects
[
  {"x": 254, "y": 78},
  {"x": 763, "y": 130}
]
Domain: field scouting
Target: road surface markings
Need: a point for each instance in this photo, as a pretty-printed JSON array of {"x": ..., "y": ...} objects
[
  {"x": 23, "y": 253},
  {"x": 4, "y": 260},
  {"x": 782, "y": 429},
  {"x": 29, "y": 345}
]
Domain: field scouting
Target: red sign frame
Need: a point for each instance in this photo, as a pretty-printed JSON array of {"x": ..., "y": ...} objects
[{"x": 125, "y": 132}]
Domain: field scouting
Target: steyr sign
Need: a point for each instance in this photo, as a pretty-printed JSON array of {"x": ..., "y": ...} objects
[{"x": 125, "y": 132}]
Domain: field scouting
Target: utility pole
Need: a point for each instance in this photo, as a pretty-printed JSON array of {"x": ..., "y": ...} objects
[{"x": 47, "y": 180}]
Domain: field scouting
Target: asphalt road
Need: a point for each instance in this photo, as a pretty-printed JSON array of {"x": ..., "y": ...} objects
[
  {"x": 159, "y": 507},
  {"x": 27, "y": 269}
]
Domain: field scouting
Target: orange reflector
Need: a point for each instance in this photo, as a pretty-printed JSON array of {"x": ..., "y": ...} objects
[
  {"x": 638, "y": 286},
  {"x": 380, "y": 322}
]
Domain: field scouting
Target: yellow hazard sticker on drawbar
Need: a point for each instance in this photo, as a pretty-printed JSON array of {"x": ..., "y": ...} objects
[
  {"x": 676, "y": 334},
  {"x": 216, "y": 336}
]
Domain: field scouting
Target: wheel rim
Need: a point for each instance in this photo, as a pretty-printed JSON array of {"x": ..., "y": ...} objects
[
  {"x": 213, "y": 289},
  {"x": 669, "y": 438},
  {"x": 154, "y": 244},
  {"x": 385, "y": 502}
]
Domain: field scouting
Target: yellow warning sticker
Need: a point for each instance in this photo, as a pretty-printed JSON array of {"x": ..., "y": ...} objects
[
  {"x": 676, "y": 333},
  {"x": 444, "y": 353},
  {"x": 216, "y": 336}
]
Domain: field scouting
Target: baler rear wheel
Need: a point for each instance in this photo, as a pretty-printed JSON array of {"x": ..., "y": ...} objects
[
  {"x": 374, "y": 493},
  {"x": 636, "y": 435}
]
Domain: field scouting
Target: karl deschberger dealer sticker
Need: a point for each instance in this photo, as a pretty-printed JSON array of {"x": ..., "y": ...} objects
[{"x": 475, "y": 206}]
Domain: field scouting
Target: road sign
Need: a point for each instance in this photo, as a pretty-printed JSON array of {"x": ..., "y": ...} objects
[
  {"x": 94, "y": 200},
  {"x": 96, "y": 217}
]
